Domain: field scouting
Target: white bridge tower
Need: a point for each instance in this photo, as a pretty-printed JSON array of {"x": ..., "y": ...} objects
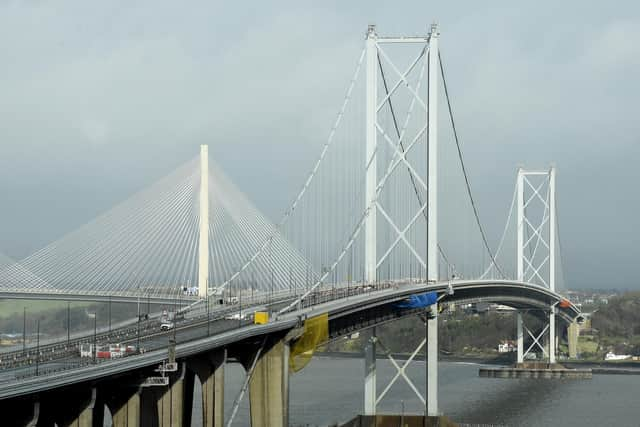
[
  {"x": 203, "y": 238},
  {"x": 536, "y": 248},
  {"x": 400, "y": 144}
]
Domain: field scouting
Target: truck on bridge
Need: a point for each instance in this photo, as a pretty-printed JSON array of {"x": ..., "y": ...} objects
[{"x": 106, "y": 351}]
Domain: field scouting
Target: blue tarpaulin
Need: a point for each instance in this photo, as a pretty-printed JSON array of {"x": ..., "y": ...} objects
[{"x": 421, "y": 300}]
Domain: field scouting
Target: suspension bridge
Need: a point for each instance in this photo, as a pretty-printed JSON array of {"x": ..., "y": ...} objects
[{"x": 387, "y": 214}]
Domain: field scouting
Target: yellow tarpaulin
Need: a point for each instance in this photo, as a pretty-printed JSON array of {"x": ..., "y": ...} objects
[{"x": 316, "y": 332}]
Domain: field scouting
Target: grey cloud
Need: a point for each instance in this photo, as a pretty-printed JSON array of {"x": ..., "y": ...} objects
[{"x": 98, "y": 100}]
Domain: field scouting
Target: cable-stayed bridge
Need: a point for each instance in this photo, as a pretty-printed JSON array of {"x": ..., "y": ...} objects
[{"x": 386, "y": 212}]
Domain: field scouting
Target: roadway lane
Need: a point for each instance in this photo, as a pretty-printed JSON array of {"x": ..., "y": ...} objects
[
  {"x": 59, "y": 357},
  {"x": 191, "y": 334}
]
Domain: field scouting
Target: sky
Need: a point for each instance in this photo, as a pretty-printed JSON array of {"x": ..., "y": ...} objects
[{"x": 100, "y": 99}]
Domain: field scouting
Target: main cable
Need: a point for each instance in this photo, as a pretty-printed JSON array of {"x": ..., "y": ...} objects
[
  {"x": 413, "y": 181},
  {"x": 464, "y": 171}
]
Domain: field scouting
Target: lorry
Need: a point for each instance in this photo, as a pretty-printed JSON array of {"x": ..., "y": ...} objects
[
  {"x": 245, "y": 314},
  {"x": 106, "y": 351}
]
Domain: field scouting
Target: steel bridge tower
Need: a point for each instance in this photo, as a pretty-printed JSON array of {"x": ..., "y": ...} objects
[
  {"x": 376, "y": 137},
  {"x": 536, "y": 248}
]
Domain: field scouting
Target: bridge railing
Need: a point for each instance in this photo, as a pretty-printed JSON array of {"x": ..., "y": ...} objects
[{"x": 44, "y": 355}]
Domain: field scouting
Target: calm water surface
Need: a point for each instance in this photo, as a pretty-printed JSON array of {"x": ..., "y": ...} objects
[{"x": 330, "y": 390}]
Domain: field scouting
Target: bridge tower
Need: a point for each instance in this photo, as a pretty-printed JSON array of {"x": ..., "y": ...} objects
[
  {"x": 370, "y": 257},
  {"x": 371, "y": 183},
  {"x": 432, "y": 216},
  {"x": 375, "y": 133},
  {"x": 536, "y": 249},
  {"x": 203, "y": 242}
]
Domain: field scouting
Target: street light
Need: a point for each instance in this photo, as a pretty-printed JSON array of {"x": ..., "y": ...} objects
[
  {"x": 138, "y": 328},
  {"x": 240, "y": 303},
  {"x": 208, "y": 315},
  {"x": 24, "y": 332},
  {"x": 95, "y": 334},
  {"x": 175, "y": 313},
  {"x": 68, "y": 323},
  {"x": 37, "y": 345},
  {"x": 109, "y": 314}
]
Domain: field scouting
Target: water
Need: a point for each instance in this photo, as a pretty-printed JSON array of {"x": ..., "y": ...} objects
[{"x": 330, "y": 390}]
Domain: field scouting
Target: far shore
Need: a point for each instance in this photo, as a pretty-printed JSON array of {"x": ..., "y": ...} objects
[{"x": 598, "y": 367}]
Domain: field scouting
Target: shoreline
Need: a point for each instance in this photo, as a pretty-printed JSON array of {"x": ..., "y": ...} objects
[
  {"x": 598, "y": 368},
  {"x": 480, "y": 360}
]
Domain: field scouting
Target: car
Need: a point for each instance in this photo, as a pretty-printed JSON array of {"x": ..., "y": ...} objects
[
  {"x": 245, "y": 314},
  {"x": 165, "y": 326}
]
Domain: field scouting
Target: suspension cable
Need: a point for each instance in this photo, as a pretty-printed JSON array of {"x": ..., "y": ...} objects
[
  {"x": 289, "y": 212},
  {"x": 464, "y": 171},
  {"x": 565, "y": 286},
  {"x": 504, "y": 232},
  {"x": 397, "y": 129}
]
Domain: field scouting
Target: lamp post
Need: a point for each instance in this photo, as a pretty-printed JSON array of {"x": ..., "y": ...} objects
[
  {"x": 68, "y": 323},
  {"x": 24, "y": 331},
  {"x": 208, "y": 315},
  {"x": 109, "y": 314},
  {"x": 175, "y": 314},
  {"x": 240, "y": 304},
  {"x": 95, "y": 335},
  {"x": 37, "y": 345},
  {"x": 138, "y": 300},
  {"x": 138, "y": 328}
]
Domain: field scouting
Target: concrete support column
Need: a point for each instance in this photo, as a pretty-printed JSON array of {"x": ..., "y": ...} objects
[
  {"x": 519, "y": 338},
  {"x": 22, "y": 412},
  {"x": 553, "y": 344},
  {"x": 572, "y": 338},
  {"x": 370, "y": 393},
  {"x": 432, "y": 362},
  {"x": 269, "y": 388},
  {"x": 174, "y": 403},
  {"x": 32, "y": 419},
  {"x": 125, "y": 407},
  {"x": 80, "y": 412},
  {"x": 211, "y": 374}
]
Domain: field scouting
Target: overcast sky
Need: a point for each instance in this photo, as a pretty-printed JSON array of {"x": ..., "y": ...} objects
[{"x": 99, "y": 99}]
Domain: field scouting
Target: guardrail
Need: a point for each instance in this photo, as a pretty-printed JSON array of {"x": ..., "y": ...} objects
[{"x": 198, "y": 317}]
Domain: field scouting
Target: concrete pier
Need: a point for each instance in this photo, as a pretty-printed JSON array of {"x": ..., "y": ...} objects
[
  {"x": 81, "y": 411},
  {"x": 210, "y": 371},
  {"x": 269, "y": 388},
  {"x": 133, "y": 401},
  {"x": 573, "y": 331},
  {"x": 173, "y": 401},
  {"x": 125, "y": 407},
  {"x": 535, "y": 370},
  {"x": 24, "y": 412}
]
